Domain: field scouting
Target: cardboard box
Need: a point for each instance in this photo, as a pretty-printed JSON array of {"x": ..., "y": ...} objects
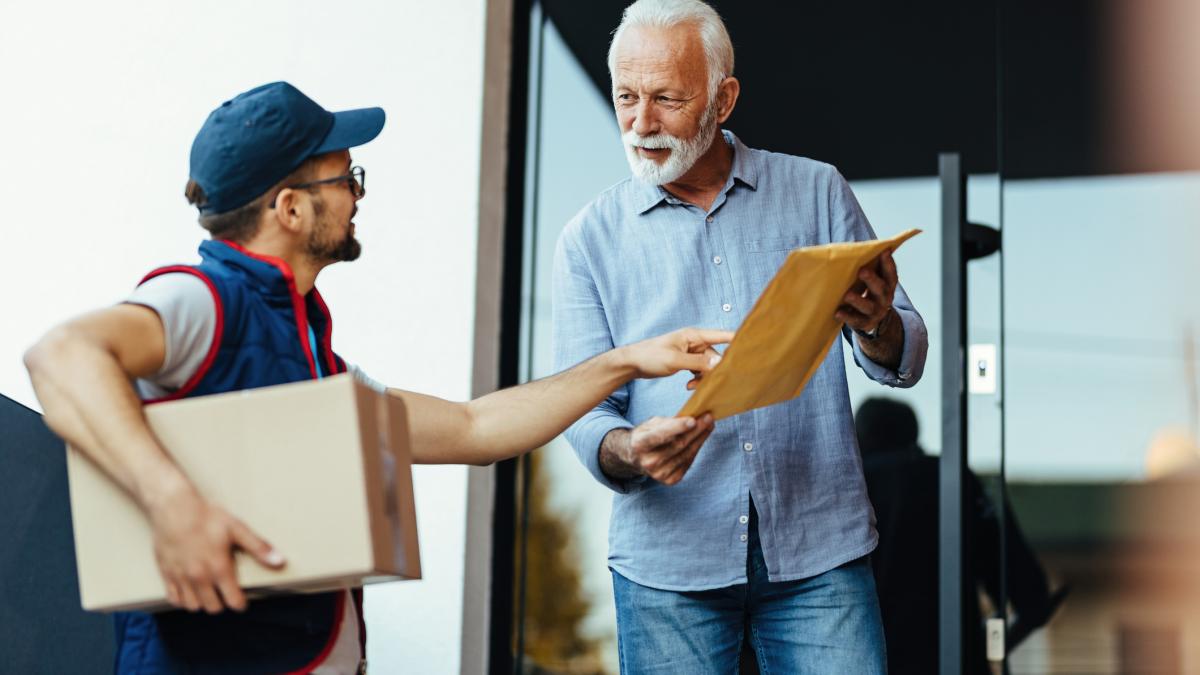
[{"x": 320, "y": 469}]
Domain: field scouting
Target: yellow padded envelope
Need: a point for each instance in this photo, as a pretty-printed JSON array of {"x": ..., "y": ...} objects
[{"x": 785, "y": 337}]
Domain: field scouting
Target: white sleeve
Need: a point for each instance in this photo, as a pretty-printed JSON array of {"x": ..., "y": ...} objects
[
  {"x": 366, "y": 379},
  {"x": 188, "y": 312}
]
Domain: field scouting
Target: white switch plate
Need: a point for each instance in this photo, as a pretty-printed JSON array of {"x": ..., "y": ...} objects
[
  {"x": 995, "y": 640},
  {"x": 981, "y": 369}
]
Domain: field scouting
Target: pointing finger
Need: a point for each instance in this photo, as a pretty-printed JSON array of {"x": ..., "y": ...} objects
[{"x": 710, "y": 336}]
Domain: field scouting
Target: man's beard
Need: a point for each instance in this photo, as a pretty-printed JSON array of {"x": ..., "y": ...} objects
[
  {"x": 323, "y": 244},
  {"x": 684, "y": 153}
]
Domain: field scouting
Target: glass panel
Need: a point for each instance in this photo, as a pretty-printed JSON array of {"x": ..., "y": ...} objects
[
  {"x": 1101, "y": 240},
  {"x": 892, "y": 206},
  {"x": 896, "y": 205},
  {"x": 570, "y": 623}
]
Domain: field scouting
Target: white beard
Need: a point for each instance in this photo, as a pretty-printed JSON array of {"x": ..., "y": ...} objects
[{"x": 683, "y": 155}]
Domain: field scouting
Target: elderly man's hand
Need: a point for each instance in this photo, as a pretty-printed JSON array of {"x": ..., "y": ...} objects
[
  {"x": 684, "y": 349},
  {"x": 869, "y": 301},
  {"x": 662, "y": 448}
]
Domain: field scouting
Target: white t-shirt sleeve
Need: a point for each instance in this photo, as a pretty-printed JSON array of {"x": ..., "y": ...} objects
[
  {"x": 188, "y": 313},
  {"x": 366, "y": 379}
]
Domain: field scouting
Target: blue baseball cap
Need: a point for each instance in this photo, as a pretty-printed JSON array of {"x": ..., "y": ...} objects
[{"x": 259, "y": 137}]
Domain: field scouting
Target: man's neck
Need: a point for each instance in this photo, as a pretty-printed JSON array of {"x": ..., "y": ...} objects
[
  {"x": 306, "y": 272},
  {"x": 704, "y": 181},
  {"x": 304, "y": 268}
]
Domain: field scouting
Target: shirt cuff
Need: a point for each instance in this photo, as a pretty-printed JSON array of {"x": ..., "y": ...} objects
[
  {"x": 912, "y": 360},
  {"x": 587, "y": 435}
]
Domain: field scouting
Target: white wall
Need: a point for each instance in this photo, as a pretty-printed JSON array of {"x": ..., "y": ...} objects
[{"x": 100, "y": 104}]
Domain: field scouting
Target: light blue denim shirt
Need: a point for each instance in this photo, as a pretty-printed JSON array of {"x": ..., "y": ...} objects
[{"x": 636, "y": 263}]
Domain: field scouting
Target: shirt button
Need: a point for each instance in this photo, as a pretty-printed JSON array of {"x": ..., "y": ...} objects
[
  {"x": 727, "y": 307},
  {"x": 744, "y": 519},
  {"x": 709, "y": 219},
  {"x": 743, "y": 537},
  {"x": 717, "y": 259},
  {"x": 748, "y": 447}
]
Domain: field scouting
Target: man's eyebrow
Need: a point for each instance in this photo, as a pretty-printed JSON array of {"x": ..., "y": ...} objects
[{"x": 664, "y": 89}]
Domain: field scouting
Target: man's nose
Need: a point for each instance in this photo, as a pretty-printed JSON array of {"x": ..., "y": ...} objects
[{"x": 644, "y": 121}]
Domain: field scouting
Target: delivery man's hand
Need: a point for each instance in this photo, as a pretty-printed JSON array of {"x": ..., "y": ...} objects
[
  {"x": 194, "y": 541},
  {"x": 684, "y": 349}
]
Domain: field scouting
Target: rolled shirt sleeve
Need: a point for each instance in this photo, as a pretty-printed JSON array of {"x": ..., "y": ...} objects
[
  {"x": 912, "y": 358},
  {"x": 849, "y": 223}
]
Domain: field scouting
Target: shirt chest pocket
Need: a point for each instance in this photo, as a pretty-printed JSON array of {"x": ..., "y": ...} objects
[
  {"x": 776, "y": 244},
  {"x": 765, "y": 256}
]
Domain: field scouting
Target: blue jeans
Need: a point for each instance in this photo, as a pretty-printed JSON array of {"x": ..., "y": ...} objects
[{"x": 827, "y": 624}]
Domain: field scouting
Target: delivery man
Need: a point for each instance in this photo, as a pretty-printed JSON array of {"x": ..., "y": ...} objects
[{"x": 272, "y": 177}]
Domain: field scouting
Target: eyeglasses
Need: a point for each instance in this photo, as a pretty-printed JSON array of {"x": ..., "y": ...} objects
[{"x": 357, "y": 180}]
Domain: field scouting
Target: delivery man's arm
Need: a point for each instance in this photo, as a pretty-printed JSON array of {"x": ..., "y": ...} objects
[
  {"x": 513, "y": 421},
  {"x": 82, "y": 372}
]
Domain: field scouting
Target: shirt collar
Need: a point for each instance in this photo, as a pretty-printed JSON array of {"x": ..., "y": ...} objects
[
  {"x": 744, "y": 167},
  {"x": 743, "y": 171}
]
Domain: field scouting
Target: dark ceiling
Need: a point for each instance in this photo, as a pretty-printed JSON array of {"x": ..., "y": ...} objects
[{"x": 878, "y": 88}]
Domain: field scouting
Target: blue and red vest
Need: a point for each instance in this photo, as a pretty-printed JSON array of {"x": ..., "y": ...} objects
[{"x": 261, "y": 339}]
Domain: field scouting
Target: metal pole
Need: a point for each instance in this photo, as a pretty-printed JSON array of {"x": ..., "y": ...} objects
[{"x": 953, "y": 561}]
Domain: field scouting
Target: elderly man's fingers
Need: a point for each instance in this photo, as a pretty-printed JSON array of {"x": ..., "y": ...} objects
[
  {"x": 667, "y": 452},
  {"x": 675, "y": 471},
  {"x": 860, "y": 304},
  {"x": 657, "y": 460},
  {"x": 683, "y": 461},
  {"x": 888, "y": 267},
  {"x": 659, "y": 431},
  {"x": 875, "y": 284},
  {"x": 704, "y": 426},
  {"x": 852, "y": 318}
]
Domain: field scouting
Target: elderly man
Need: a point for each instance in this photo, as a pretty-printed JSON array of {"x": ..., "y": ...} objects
[
  {"x": 272, "y": 176},
  {"x": 767, "y": 536}
]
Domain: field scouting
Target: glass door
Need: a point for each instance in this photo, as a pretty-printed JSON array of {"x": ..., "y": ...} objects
[{"x": 1101, "y": 177}]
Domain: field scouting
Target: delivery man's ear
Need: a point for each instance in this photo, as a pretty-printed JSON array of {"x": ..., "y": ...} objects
[{"x": 292, "y": 208}]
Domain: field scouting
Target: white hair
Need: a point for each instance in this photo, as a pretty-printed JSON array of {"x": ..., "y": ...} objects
[{"x": 718, "y": 49}]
